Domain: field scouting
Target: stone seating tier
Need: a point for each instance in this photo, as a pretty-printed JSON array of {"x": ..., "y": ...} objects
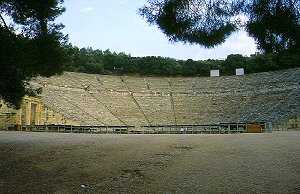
[{"x": 126, "y": 100}]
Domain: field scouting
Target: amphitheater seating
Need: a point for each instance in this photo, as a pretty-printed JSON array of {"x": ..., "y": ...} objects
[
  {"x": 184, "y": 85},
  {"x": 140, "y": 101},
  {"x": 136, "y": 84},
  {"x": 158, "y": 84},
  {"x": 65, "y": 104},
  {"x": 190, "y": 109},
  {"x": 111, "y": 83},
  {"x": 286, "y": 108},
  {"x": 7, "y": 115},
  {"x": 157, "y": 109},
  {"x": 123, "y": 107}
]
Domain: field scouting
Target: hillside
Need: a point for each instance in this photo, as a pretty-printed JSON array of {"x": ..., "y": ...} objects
[{"x": 90, "y": 99}]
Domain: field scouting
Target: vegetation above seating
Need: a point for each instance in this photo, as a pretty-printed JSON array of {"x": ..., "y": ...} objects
[
  {"x": 88, "y": 60},
  {"x": 32, "y": 44}
]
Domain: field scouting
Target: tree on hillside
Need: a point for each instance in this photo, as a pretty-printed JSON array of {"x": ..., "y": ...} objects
[
  {"x": 30, "y": 44},
  {"x": 233, "y": 62},
  {"x": 274, "y": 24}
]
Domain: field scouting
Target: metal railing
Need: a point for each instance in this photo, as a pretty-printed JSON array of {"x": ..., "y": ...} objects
[{"x": 222, "y": 128}]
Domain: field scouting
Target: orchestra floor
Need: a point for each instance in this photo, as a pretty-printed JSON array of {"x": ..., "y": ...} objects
[{"x": 110, "y": 163}]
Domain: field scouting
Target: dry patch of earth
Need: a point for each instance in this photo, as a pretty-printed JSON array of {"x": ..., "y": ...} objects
[{"x": 110, "y": 163}]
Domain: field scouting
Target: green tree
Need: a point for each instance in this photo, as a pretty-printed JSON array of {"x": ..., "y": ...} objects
[
  {"x": 274, "y": 24},
  {"x": 189, "y": 68},
  {"x": 203, "y": 68},
  {"x": 30, "y": 46},
  {"x": 233, "y": 62}
]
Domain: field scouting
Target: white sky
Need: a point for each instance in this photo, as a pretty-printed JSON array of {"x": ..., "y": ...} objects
[{"x": 117, "y": 26}]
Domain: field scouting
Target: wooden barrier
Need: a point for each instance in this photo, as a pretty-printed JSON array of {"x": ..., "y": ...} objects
[{"x": 254, "y": 128}]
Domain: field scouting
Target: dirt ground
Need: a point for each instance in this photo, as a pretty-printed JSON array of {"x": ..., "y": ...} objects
[{"x": 110, "y": 163}]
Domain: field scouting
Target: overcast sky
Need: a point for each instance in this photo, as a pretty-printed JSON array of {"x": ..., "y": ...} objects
[{"x": 116, "y": 25}]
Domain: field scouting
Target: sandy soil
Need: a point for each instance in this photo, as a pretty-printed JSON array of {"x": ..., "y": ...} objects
[{"x": 91, "y": 163}]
